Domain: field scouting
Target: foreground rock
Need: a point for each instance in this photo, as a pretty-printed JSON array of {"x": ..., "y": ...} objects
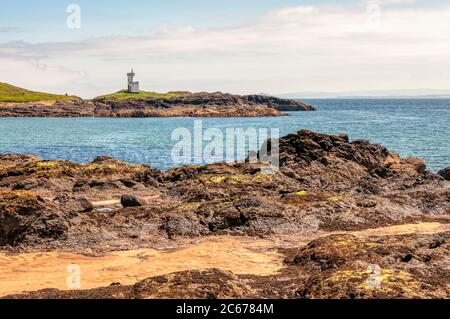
[
  {"x": 337, "y": 266},
  {"x": 186, "y": 104},
  {"x": 325, "y": 184},
  {"x": 26, "y": 218}
]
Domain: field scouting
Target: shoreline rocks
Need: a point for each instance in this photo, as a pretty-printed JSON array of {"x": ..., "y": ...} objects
[
  {"x": 326, "y": 185},
  {"x": 336, "y": 183},
  {"x": 187, "y": 105}
]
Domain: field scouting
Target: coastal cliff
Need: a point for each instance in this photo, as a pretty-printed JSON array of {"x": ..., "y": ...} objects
[
  {"x": 334, "y": 209},
  {"x": 198, "y": 105}
]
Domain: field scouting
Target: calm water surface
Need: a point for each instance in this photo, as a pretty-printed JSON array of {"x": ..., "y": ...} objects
[{"x": 411, "y": 127}]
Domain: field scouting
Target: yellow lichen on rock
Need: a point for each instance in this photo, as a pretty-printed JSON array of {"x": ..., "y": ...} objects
[
  {"x": 189, "y": 206},
  {"x": 237, "y": 179},
  {"x": 45, "y": 164},
  {"x": 335, "y": 198}
]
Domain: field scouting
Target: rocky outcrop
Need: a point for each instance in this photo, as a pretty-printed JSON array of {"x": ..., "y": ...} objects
[
  {"x": 26, "y": 218},
  {"x": 78, "y": 108},
  {"x": 344, "y": 266},
  {"x": 284, "y": 105},
  {"x": 201, "y": 105},
  {"x": 324, "y": 182},
  {"x": 186, "y": 104}
]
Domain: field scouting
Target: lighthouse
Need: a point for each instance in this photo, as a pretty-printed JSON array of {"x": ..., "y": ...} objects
[{"x": 133, "y": 87}]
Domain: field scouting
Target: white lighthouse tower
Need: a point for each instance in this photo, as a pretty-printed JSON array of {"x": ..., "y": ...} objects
[{"x": 133, "y": 87}]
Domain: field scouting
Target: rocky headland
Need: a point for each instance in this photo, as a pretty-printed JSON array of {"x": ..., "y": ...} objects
[
  {"x": 336, "y": 211},
  {"x": 172, "y": 104}
]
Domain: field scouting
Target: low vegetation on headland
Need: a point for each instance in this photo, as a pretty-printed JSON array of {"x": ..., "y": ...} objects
[
  {"x": 14, "y": 94},
  {"x": 125, "y": 95}
]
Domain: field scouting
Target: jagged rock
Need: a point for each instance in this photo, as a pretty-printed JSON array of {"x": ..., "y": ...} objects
[
  {"x": 325, "y": 183},
  {"x": 344, "y": 266},
  {"x": 339, "y": 184},
  {"x": 279, "y": 104},
  {"x": 24, "y": 216}
]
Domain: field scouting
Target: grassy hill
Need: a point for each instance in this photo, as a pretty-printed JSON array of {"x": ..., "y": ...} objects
[
  {"x": 124, "y": 95},
  {"x": 10, "y": 93}
]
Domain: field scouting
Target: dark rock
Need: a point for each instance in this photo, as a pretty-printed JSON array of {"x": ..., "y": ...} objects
[
  {"x": 103, "y": 185},
  {"x": 285, "y": 105},
  {"x": 24, "y": 218},
  {"x": 26, "y": 185},
  {"x": 62, "y": 198},
  {"x": 130, "y": 200},
  {"x": 128, "y": 183},
  {"x": 151, "y": 177},
  {"x": 187, "y": 225},
  {"x": 105, "y": 159},
  {"x": 445, "y": 173},
  {"x": 81, "y": 185}
]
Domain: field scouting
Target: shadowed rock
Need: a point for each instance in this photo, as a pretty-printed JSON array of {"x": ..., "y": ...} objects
[
  {"x": 130, "y": 200},
  {"x": 445, "y": 173}
]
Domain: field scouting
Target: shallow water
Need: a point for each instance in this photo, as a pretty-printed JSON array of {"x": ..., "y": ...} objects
[{"x": 411, "y": 127}]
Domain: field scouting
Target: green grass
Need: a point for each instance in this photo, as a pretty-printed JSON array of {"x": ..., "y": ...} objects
[
  {"x": 124, "y": 95},
  {"x": 10, "y": 93}
]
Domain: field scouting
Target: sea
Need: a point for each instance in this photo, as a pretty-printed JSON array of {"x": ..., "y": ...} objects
[{"x": 410, "y": 127}]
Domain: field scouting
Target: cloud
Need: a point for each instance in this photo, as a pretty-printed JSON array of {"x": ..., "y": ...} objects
[
  {"x": 329, "y": 47},
  {"x": 32, "y": 74}
]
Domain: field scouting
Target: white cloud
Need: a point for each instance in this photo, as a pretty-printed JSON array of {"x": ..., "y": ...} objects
[
  {"x": 298, "y": 48},
  {"x": 32, "y": 74}
]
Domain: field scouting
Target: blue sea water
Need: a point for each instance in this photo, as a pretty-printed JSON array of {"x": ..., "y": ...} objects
[{"x": 411, "y": 127}]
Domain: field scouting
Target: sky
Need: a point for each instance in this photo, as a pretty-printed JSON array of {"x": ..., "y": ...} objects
[{"x": 236, "y": 46}]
